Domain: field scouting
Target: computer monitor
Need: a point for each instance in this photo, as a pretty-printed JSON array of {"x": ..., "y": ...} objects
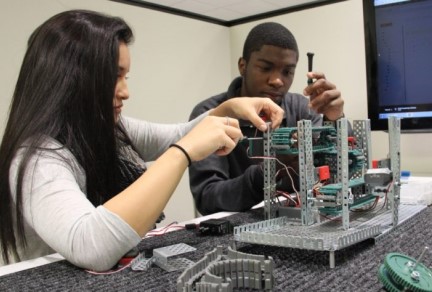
[{"x": 398, "y": 41}]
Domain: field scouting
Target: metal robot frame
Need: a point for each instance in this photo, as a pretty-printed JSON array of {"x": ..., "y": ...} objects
[{"x": 347, "y": 190}]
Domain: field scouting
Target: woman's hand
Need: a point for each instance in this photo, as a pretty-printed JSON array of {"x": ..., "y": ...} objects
[
  {"x": 253, "y": 109},
  {"x": 212, "y": 135}
]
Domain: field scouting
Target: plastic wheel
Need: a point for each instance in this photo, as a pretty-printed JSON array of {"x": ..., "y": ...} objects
[
  {"x": 398, "y": 269},
  {"x": 387, "y": 281}
]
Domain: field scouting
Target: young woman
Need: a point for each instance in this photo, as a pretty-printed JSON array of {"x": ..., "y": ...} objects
[{"x": 73, "y": 178}]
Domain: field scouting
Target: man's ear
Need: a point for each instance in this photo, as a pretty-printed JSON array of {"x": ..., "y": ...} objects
[{"x": 242, "y": 66}]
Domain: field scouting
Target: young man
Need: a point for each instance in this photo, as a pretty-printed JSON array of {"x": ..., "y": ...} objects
[{"x": 267, "y": 67}]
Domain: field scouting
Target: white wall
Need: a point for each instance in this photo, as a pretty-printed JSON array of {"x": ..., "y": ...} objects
[
  {"x": 335, "y": 34},
  {"x": 176, "y": 62}
]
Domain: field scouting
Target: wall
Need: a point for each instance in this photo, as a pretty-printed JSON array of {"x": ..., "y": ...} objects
[
  {"x": 170, "y": 66},
  {"x": 171, "y": 70},
  {"x": 335, "y": 34}
]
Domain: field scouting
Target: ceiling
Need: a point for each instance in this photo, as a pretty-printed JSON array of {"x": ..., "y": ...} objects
[{"x": 228, "y": 12}]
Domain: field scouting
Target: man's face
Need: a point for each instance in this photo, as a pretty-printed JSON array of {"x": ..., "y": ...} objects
[{"x": 268, "y": 73}]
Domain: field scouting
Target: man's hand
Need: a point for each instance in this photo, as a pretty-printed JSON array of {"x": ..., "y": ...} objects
[{"x": 324, "y": 97}]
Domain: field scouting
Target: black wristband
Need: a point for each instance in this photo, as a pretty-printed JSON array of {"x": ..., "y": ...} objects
[{"x": 184, "y": 152}]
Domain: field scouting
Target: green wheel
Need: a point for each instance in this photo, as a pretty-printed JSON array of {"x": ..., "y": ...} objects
[
  {"x": 398, "y": 270},
  {"x": 387, "y": 281}
]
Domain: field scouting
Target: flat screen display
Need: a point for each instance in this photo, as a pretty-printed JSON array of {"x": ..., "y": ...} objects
[{"x": 398, "y": 38}]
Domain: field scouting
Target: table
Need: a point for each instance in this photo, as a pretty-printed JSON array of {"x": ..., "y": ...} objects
[
  {"x": 295, "y": 270},
  {"x": 52, "y": 258}
]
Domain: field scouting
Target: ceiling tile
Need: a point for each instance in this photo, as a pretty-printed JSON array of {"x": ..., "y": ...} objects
[
  {"x": 252, "y": 7},
  {"x": 221, "y": 3},
  {"x": 229, "y": 10},
  {"x": 168, "y": 3},
  {"x": 290, "y": 3},
  {"x": 225, "y": 14},
  {"x": 193, "y": 6}
]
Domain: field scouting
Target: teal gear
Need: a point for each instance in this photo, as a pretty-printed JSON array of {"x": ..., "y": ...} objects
[{"x": 398, "y": 273}]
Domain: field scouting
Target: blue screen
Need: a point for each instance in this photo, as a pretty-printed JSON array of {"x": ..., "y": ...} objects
[{"x": 404, "y": 58}]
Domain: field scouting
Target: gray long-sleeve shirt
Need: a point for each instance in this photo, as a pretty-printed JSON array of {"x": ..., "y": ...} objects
[{"x": 59, "y": 217}]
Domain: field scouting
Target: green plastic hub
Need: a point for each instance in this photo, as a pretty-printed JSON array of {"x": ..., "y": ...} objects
[{"x": 398, "y": 273}]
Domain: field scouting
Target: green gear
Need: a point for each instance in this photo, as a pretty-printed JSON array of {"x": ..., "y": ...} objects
[
  {"x": 387, "y": 281},
  {"x": 399, "y": 272}
]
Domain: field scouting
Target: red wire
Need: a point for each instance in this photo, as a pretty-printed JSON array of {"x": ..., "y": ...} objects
[{"x": 164, "y": 230}]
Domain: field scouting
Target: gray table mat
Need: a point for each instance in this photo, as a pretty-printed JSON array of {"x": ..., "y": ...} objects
[{"x": 295, "y": 270}]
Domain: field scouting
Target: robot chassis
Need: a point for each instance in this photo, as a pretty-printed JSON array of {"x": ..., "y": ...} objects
[{"x": 353, "y": 185}]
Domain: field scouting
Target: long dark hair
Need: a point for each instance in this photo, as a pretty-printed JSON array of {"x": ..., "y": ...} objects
[{"x": 65, "y": 91}]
